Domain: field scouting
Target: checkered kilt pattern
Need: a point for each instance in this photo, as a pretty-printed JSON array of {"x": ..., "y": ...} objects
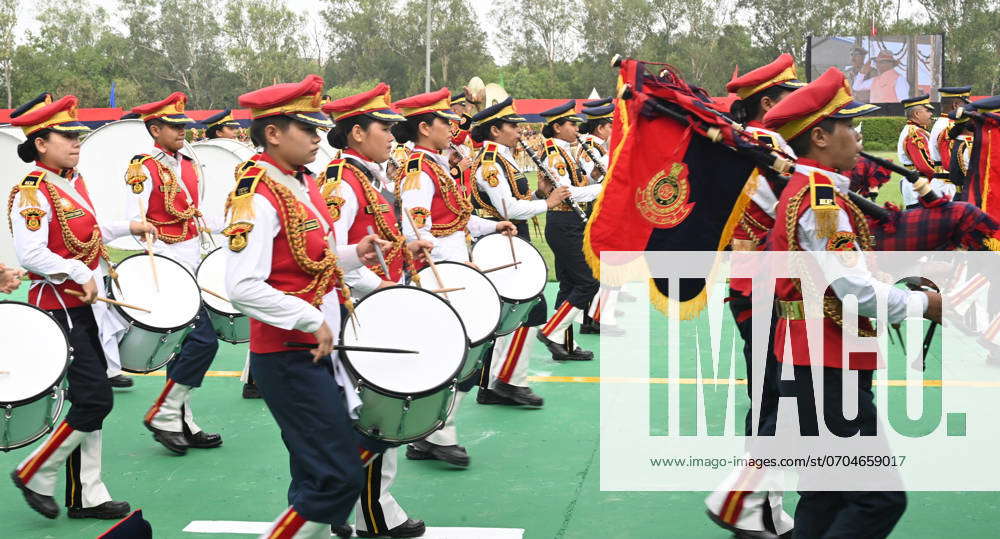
[{"x": 944, "y": 227}]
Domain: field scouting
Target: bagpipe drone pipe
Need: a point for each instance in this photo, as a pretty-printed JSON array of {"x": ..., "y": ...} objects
[{"x": 680, "y": 175}]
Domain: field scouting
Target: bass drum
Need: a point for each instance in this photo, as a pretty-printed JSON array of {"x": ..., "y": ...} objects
[
  {"x": 11, "y": 173},
  {"x": 33, "y": 364},
  {"x": 230, "y": 325},
  {"x": 219, "y": 159}
]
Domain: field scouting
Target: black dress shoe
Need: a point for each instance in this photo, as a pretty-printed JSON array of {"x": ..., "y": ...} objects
[
  {"x": 107, "y": 511},
  {"x": 739, "y": 533},
  {"x": 559, "y": 352},
  {"x": 250, "y": 391},
  {"x": 173, "y": 441},
  {"x": 410, "y": 528},
  {"x": 518, "y": 394},
  {"x": 121, "y": 381},
  {"x": 598, "y": 329},
  {"x": 424, "y": 450},
  {"x": 488, "y": 396},
  {"x": 343, "y": 531},
  {"x": 44, "y": 505},
  {"x": 202, "y": 440}
]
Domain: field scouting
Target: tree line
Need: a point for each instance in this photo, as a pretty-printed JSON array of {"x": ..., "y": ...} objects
[{"x": 214, "y": 50}]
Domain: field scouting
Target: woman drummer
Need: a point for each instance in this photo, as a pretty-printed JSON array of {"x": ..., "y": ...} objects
[
  {"x": 441, "y": 207},
  {"x": 60, "y": 241}
]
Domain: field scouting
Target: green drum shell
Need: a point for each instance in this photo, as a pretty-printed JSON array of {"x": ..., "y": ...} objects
[
  {"x": 233, "y": 329},
  {"x": 397, "y": 419},
  {"x": 513, "y": 314},
  {"x": 23, "y": 425}
]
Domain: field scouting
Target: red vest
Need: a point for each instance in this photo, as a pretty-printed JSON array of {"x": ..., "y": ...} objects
[
  {"x": 450, "y": 207},
  {"x": 286, "y": 274},
  {"x": 786, "y": 290},
  {"x": 373, "y": 211},
  {"x": 944, "y": 147},
  {"x": 82, "y": 225},
  {"x": 171, "y": 228}
]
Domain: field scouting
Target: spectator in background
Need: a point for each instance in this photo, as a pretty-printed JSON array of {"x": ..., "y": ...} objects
[{"x": 852, "y": 71}]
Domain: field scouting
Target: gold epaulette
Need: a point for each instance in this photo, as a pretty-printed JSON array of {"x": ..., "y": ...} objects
[
  {"x": 331, "y": 177},
  {"x": 134, "y": 176},
  {"x": 766, "y": 138},
  {"x": 823, "y": 201},
  {"x": 241, "y": 199},
  {"x": 488, "y": 164},
  {"x": 29, "y": 188},
  {"x": 413, "y": 166}
]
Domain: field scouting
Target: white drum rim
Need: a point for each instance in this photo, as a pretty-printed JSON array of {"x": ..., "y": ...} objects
[
  {"x": 142, "y": 325},
  {"x": 492, "y": 332},
  {"x": 62, "y": 376},
  {"x": 362, "y": 381},
  {"x": 542, "y": 258}
]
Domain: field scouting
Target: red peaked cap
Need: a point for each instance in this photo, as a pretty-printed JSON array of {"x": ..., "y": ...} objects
[
  {"x": 829, "y": 96},
  {"x": 170, "y": 110},
  {"x": 780, "y": 72},
  {"x": 438, "y": 102},
  {"x": 298, "y": 100},
  {"x": 374, "y": 103},
  {"x": 43, "y": 113}
]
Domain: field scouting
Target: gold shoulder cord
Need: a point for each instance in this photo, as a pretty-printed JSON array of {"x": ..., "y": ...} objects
[
  {"x": 832, "y": 307},
  {"x": 510, "y": 172},
  {"x": 171, "y": 189},
  {"x": 575, "y": 175},
  {"x": 86, "y": 251},
  {"x": 445, "y": 184},
  {"x": 385, "y": 231}
]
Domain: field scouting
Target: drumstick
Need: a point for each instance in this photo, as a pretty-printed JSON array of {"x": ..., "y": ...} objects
[
  {"x": 498, "y": 268},
  {"x": 331, "y": 243},
  {"x": 352, "y": 348},
  {"x": 149, "y": 246},
  {"x": 216, "y": 294},
  {"x": 510, "y": 239},
  {"x": 427, "y": 254},
  {"x": 111, "y": 301},
  {"x": 380, "y": 255},
  {"x": 444, "y": 290}
]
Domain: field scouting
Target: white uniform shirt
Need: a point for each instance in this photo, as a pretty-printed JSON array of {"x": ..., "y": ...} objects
[
  {"x": 500, "y": 194},
  {"x": 941, "y": 124},
  {"x": 576, "y": 194},
  {"x": 764, "y": 196},
  {"x": 586, "y": 163},
  {"x": 858, "y": 281},
  {"x": 451, "y": 247},
  {"x": 910, "y": 196}
]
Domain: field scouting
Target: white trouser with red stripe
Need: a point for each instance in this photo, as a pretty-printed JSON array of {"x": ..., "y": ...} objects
[
  {"x": 172, "y": 409},
  {"x": 739, "y": 501},
  {"x": 448, "y": 434},
  {"x": 972, "y": 295},
  {"x": 511, "y": 357},
  {"x": 555, "y": 328},
  {"x": 81, "y": 452},
  {"x": 291, "y": 525},
  {"x": 377, "y": 510},
  {"x": 602, "y": 308}
]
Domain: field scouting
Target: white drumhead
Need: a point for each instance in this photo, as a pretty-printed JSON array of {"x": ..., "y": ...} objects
[
  {"x": 104, "y": 159},
  {"x": 411, "y": 319},
  {"x": 478, "y": 304},
  {"x": 34, "y": 352},
  {"x": 518, "y": 283},
  {"x": 173, "y": 306},
  {"x": 212, "y": 275},
  {"x": 11, "y": 174},
  {"x": 219, "y": 159}
]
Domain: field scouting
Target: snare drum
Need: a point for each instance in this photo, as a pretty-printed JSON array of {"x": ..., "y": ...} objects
[
  {"x": 230, "y": 325},
  {"x": 404, "y": 397},
  {"x": 152, "y": 339},
  {"x": 478, "y": 305},
  {"x": 519, "y": 286},
  {"x": 33, "y": 365}
]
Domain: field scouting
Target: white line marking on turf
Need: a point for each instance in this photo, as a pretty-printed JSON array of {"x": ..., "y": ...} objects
[{"x": 256, "y": 528}]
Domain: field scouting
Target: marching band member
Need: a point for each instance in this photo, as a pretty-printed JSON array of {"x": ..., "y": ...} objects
[
  {"x": 441, "y": 207},
  {"x": 759, "y": 90},
  {"x": 564, "y": 234},
  {"x": 502, "y": 193},
  {"x": 358, "y": 197},
  {"x": 284, "y": 271},
  {"x": 59, "y": 239},
  {"x": 914, "y": 150},
  {"x": 221, "y": 125},
  {"x": 952, "y": 99},
  {"x": 815, "y": 214},
  {"x": 165, "y": 185}
]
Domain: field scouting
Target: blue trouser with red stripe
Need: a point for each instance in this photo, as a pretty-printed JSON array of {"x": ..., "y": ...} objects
[{"x": 197, "y": 353}]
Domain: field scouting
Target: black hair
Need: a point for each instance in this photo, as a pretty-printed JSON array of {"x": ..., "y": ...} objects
[
  {"x": 803, "y": 142},
  {"x": 481, "y": 133},
  {"x": 745, "y": 110},
  {"x": 549, "y": 132},
  {"x": 410, "y": 129},
  {"x": 591, "y": 125},
  {"x": 27, "y": 150},
  {"x": 337, "y": 137},
  {"x": 151, "y": 123},
  {"x": 258, "y": 126},
  {"x": 947, "y": 102},
  {"x": 213, "y": 132}
]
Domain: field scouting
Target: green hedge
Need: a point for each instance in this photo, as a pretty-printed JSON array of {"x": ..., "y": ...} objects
[{"x": 881, "y": 133}]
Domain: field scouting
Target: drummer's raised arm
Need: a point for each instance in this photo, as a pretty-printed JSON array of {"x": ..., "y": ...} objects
[
  {"x": 248, "y": 265},
  {"x": 30, "y": 225}
]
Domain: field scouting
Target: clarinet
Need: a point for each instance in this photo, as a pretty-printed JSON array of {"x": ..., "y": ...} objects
[
  {"x": 551, "y": 178},
  {"x": 597, "y": 164}
]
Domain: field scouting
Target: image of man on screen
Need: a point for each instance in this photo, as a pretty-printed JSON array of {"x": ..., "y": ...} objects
[
  {"x": 858, "y": 56},
  {"x": 888, "y": 85}
]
